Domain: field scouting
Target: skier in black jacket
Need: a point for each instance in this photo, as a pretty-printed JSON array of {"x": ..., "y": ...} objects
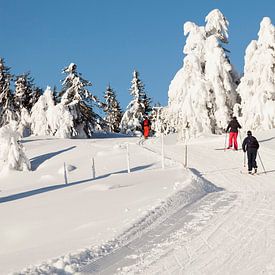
[
  {"x": 233, "y": 135},
  {"x": 251, "y": 146}
]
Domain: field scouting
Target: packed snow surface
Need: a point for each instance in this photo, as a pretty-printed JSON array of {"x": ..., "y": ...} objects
[{"x": 208, "y": 219}]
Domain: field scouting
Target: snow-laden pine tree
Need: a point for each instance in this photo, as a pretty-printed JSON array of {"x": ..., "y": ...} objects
[
  {"x": 23, "y": 94},
  {"x": 42, "y": 109},
  {"x": 138, "y": 107},
  {"x": 12, "y": 155},
  {"x": 7, "y": 109},
  {"x": 112, "y": 110},
  {"x": 61, "y": 121},
  {"x": 50, "y": 119},
  {"x": 203, "y": 92},
  {"x": 79, "y": 101},
  {"x": 257, "y": 87}
]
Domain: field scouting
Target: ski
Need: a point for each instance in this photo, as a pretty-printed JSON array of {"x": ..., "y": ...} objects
[
  {"x": 226, "y": 149},
  {"x": 246, "y": 173}
]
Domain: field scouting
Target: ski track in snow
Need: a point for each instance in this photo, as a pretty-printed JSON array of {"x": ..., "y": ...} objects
[{"x": 226, "y": 232}]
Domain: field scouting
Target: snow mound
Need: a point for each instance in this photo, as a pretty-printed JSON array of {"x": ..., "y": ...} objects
[{"x": 69, "y": 167}]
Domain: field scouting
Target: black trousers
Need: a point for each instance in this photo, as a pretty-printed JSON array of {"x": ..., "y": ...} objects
[{"x": 251, "y": 158}]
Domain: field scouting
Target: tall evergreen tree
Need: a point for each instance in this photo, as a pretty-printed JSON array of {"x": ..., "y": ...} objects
[
  {"x": 25, "y": 96},
  {"x": 80, "y": 102},
  {"x": 24, "y": 92},
  {"x": 112, "y": 110},
  {"x": 40, "y": 114},
  {"x": 257, "y": 87},
  {"x": 139, "y": 106},
  {"x": 203, "y": 92},
  {"x": 49, "y": 118},
  {"x": 7, "y": 110}
]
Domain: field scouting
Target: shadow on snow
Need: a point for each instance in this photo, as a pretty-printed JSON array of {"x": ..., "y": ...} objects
[
  {"x": 60, "y": 186},
  {"x": 37, "y": 161},
  {"x": 268, "y": 139}
]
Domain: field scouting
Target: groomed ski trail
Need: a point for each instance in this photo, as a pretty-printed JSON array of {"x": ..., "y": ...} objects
[
  {"x": 224, "y": 233},
  {"x": 242, "y": 240},
  {"x": 188, "y": 220}
]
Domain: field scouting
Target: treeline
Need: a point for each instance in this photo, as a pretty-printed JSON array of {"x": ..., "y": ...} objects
[{"x": 74, "y": 111}]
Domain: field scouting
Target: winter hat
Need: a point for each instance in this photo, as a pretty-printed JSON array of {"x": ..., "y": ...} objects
[{"x": 249, "y": 133}]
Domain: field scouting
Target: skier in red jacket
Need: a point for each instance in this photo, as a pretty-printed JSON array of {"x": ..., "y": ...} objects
[{"x": 146, "y": 127}]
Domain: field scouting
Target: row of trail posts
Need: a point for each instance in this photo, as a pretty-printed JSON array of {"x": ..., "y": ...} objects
[
  {"x": 184, "y": 137},
  {"x": 127, "y": 155},
  {"x": 127, "y": 160}
]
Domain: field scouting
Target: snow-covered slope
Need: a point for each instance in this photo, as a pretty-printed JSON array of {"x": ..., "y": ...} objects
[
  {"x": 43, "y": 218},
  {"x": 225, "y": 219}
]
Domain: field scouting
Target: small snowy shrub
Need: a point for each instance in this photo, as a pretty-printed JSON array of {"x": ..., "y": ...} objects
[{"x": 12, "y": 154}]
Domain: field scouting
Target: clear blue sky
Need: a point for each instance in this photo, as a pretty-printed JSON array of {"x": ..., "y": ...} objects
[{"x": 108, "y": 39}]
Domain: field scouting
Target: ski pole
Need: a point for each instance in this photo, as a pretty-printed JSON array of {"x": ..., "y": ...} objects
[
  {"x": 240, "y": 137},
  {"x": 244, "y": 159},
  {"x": 225, "y": 141},
  {"x": 261, "y": 162}
]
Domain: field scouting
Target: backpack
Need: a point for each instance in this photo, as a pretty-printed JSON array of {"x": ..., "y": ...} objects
[{"x": 252, "y": 142}]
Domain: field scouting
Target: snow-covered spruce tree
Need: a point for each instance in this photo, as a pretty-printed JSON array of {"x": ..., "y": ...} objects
[
  {"x": 7, "y": 110},
  {"x": 12, "y": 154},
  {"x": 61, "y": 121},
  {"x": 257, "y": 87},
  {"x": 50, "y": 119},
  {"x": 112, "y": 110},
  {"x": 23, "y": 94},
  {"x": 203, "y": 92},
  {"x": 131, "y": 122},
  {"x": 40, "y": 123},
  {"x": 79, "y": 101}
]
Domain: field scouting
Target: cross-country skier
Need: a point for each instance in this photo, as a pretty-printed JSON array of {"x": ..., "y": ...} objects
[
  {"x": 146, "y": 127},
  {"x": 251, "y": 146},
  {"x": 233, "y": 135}
]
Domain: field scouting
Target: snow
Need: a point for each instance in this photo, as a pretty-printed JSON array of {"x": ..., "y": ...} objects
[{"x": 218, "y": 219}]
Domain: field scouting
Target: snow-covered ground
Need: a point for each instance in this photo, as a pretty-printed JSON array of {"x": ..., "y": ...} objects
[{"x": 208, "y": 219}]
